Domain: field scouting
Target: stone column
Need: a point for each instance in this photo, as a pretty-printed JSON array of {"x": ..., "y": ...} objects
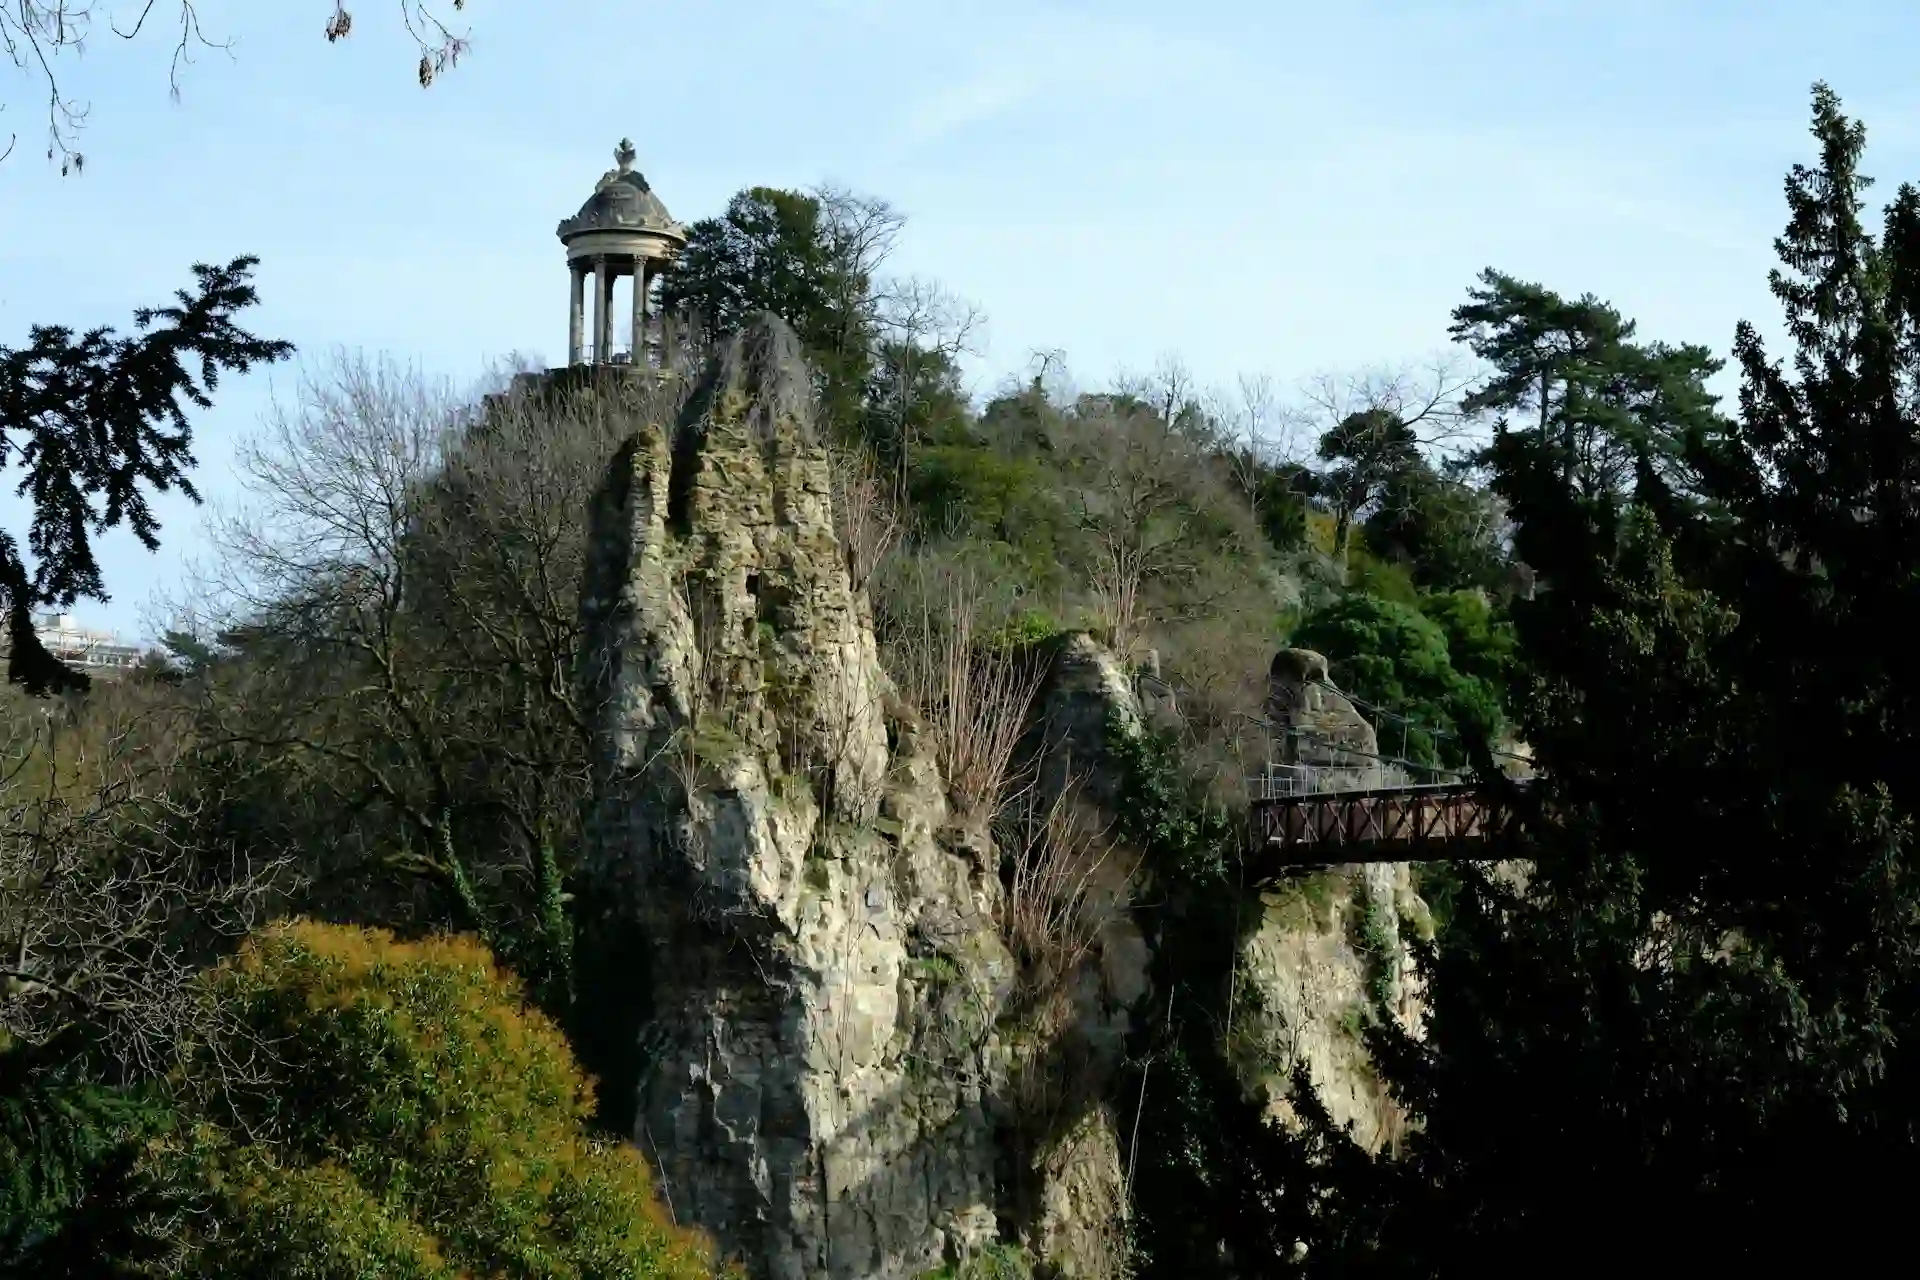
[
  {"x": 640, "y": 282},
  {"x": 576, "y": 316},
  {"x": 602, "y": 311}
]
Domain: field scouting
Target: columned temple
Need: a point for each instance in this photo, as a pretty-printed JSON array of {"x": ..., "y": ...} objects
[{"x": 621, "y": 231}]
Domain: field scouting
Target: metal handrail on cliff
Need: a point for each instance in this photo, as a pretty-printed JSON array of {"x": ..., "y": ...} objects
[
  {"x": 1288, "y": 781},
  {"x": 1407, "y": 720}
]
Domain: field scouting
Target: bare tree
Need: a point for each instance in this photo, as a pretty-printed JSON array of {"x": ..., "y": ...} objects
[
  {"x": 1426, "y": 399},
  {"x": 923, "y": 327},
  {"x": 1050, "y": 373},
  {"x": 108, "y": 899},
  {"x": 1145, "y": 498},
  {"x": 36, "y": 33},
  {"x": 1057, "y": 902},
  {"x": 974, "y": 697},
  {"x": 1376, "y": 424},
  {"x": 1171, "y": 391},
  {"x": 1258, "y": 435},
  {"x": 404, "y": 589},
  {"x": 858, "y": 234},
  {"x": 865, "y": 514}
]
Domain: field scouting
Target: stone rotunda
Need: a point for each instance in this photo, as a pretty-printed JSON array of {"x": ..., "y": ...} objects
[{"x": 622, "y": 230}]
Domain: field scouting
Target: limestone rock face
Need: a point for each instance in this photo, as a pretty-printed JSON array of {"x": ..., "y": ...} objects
[
  {"x": 1327, "y": 954},
  {"x": 1314, "y": 979},
  {"x": 1085, "y": 688},
  {"x": 1070, "y": 1192},
  {"x": 824, "y": 973},
  {"x": 1321, "y": 734}
]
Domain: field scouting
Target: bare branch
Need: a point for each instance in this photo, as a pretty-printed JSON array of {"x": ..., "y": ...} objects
[
  {"x": 105, "y": 891},
  {"x": 924, "y": 330},
  {"x": 973, "y": 696},
  {"x": 402, "y": 589},
  {"x": 866, "y": 516},
  {"x": 1143, "y": 487},
  {"x": 1068, "y": 883},
  {"x": 35, "y": 34}
]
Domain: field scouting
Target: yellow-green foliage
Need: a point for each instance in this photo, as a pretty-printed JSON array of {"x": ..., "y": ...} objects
[
  {"x": 1320, "y": 530},
  {"x": 420, "y": 1121}
]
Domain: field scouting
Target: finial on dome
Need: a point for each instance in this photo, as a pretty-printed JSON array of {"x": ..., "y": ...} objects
[{"x": 623, "y": 155}]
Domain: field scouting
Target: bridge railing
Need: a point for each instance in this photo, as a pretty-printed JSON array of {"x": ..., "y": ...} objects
[{"x": 1281, "y": 781}]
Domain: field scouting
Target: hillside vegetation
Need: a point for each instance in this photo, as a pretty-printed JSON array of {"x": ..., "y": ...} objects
[{"x": 302, "y": 975}]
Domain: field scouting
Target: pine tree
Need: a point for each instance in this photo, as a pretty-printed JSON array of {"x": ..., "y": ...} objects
[
  {"x": 97, "y": 422},
  {"x": 1571, "y": 379}
]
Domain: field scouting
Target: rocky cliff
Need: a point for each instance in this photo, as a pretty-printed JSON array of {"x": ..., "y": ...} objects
[
  {"x": 825, "y": 974},
  {"x": 842, "y": 1074}
]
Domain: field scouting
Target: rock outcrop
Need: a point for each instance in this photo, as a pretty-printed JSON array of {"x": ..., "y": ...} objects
[
  {"x": 1327, "y": 955},
  {"x": 1318, "y": 734},
  {"x": 1067, "y": 1194},
  {"x": 825, "y": 976}
]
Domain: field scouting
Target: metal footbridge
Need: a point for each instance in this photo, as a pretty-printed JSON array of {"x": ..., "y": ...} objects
[{"x": 1352, "y": 806}]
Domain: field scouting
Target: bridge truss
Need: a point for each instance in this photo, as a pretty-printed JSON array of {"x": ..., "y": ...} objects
[{"x": 1307, "y": 816}]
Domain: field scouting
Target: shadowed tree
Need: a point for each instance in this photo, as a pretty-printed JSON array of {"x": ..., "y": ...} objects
[
  {"x": 1690, "y": 1038},
  {"x": 1368, "y": 451}
]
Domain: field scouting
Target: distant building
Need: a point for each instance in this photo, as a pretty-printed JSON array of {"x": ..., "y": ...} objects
[{"x": 98, "y": 653}]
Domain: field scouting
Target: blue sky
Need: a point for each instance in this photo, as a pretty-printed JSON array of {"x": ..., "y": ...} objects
[{"x": 1255, "y": 187}]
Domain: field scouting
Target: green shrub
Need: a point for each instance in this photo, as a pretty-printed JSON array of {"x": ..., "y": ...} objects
[
  {"x": 1281, "y": 499},
  {"x": 1377, "y": 947},
  {"x": 417, "y": 1119},
  {"x": 1395, "y": 657},
  {"x": 1480, "y": 641},
  {"x": 1001, "y": 497},
  {"x": 996, "y": 1262},
  {"x": 1380, "y": 578},
  {"x": 1028, "y": 627},
  {"x": 1319, "y": 530}
]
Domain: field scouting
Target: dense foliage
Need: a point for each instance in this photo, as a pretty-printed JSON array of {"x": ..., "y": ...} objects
[
  {"x": 807, "y": 257},
  {"x": 1219, "y": 1188},
  {"x": 415, "y": 1120},
  {"x": 67, "y": 1150},
  {"x": 1397, "y": 657},
  {"x": 1694, "y": 1029}
]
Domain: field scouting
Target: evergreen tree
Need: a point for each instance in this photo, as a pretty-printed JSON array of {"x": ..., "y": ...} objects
[
  {"x": 767, "y": 252},
  {"x": 1689, "y": 1039},
  {"x": 809, "y": 259},
  {"x": 1572, "y": 373},
  {"x": 1370, "y": 450},
  {"x": 97, "y": 422},
  {"x": 1447, "y": 532}
]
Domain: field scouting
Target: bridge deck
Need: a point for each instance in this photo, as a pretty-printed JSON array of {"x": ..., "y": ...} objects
[{"x": 1393, "y": 824}]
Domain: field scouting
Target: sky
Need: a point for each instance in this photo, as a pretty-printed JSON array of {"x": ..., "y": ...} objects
[{"x": 1254, "y": 187}]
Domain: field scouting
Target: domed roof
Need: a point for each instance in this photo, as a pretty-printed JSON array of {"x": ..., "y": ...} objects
[{"x": 622, "y": 201}]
